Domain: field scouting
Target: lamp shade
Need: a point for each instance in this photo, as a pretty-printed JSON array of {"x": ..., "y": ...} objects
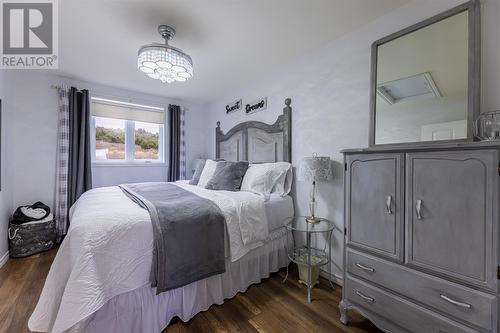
[{"x": 315, "y": 168}]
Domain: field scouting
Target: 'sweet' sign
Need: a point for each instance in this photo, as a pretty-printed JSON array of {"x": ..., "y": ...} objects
[{"x": 234, "y": 106}]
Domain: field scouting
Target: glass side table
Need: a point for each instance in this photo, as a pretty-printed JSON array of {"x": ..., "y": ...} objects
[{"x": 310, "y": 256}]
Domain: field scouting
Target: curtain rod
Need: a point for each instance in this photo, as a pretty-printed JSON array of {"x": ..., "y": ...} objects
[
  {"x": 56, "y": 86},
  {"x": 59, "y": 87}
]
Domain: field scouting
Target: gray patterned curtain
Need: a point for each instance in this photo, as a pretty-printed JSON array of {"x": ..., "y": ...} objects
[
  {"x": 174, "y": 158},
  {"x": 183, "y": 162},
  {"x": 61, "y": 199},
  {"x": 73, "y": 173}
]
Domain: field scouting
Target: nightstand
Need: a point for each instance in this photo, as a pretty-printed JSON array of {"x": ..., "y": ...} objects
[{"x": 310, "y": 257}]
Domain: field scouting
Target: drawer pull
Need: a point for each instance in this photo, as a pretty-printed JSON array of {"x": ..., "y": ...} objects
[
  {"x": 389, "y": 204},
  {"x": 366, "y": 298},
  {"x": 365, "y": 268},
  {"x": 457, "y": 303},
  {"x": 418, "y": 208}
]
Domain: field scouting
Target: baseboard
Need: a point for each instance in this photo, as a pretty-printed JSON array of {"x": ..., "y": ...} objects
[
  {"x": 335, "y": 278},
  {"x": 4, "y": 258}
]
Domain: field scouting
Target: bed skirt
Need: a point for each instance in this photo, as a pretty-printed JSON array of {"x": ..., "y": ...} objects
[{"x": 141, "y": 310}]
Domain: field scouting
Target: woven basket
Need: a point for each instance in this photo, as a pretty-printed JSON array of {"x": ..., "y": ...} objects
[{"x": 31, "y": 238}]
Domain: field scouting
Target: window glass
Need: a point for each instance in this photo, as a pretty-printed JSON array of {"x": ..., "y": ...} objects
[
  {"x": 109, "y": 139},
  {"x": 147, "y": 143}
]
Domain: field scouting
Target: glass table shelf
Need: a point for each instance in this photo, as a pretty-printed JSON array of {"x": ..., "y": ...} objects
[
  {"x": 300, "y": 224},
  {"x": 309, "y": 257},
  {"x": 299, "y": 256}
]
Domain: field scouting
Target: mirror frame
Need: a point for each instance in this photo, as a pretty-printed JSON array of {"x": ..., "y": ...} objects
[{"x": 474, "y": 70}]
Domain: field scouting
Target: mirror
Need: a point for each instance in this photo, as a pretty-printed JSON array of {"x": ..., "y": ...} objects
[{"x": 425, "y": 80}]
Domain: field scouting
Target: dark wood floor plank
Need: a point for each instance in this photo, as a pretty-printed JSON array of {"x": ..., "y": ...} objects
[
  {"x": 13, "y": 296},
  {"x": 32, "y": 290},
  {"x": 322, "y": 320},
  {"x": 268, "y": 307},
  {"x": 326, "y": 302},
  {"x": 278, "y": 318},
  {"x": 232, "y": 318},
  {"x": 208, "y": 318},
  {"x": 246, "y": 303}
]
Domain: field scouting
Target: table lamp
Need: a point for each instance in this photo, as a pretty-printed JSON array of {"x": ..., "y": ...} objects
[{"x": 314, "y": 169}]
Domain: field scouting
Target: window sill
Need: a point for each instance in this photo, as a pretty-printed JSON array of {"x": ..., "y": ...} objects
[{"x": 128, "y": 164}]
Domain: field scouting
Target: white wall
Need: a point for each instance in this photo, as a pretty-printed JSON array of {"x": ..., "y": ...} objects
[
  {"x": 330, "y": 99},
  {"x": 31, "y": 106},
  {"x": 6, "y": 183}
]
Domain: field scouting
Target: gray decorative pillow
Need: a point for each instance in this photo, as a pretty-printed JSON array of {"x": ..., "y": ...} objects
[
  {"x": 227, "y": 176},
  {"x": 197, "y": 172}
]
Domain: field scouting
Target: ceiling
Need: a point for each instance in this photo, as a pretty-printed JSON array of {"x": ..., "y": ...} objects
[{"x": 232, "y": 42}]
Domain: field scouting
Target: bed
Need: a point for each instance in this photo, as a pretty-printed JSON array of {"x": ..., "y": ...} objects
[{"x": 99, "y": 280}]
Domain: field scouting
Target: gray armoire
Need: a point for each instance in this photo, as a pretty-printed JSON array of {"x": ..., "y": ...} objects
[
  {"x": 421, "y": 203},
  {"x": 422, "y": 238}
]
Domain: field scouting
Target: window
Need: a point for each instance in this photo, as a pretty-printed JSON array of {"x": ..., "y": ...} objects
[{"x": 126, "y": 132}]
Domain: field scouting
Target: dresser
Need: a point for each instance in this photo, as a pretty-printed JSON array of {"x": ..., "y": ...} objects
[{"x": 421, "y": 237}]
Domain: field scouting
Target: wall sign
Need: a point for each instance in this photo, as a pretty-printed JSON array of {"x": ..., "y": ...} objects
[
  {"x": 234, "y": 106},
  {"x": 256, "y": 106}
]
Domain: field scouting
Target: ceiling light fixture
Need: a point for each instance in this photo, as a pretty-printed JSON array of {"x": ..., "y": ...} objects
[{"x": 164, "y": 62}]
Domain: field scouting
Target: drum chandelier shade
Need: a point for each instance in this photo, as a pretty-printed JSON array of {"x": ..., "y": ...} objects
[{"x": 164, "y": 62}]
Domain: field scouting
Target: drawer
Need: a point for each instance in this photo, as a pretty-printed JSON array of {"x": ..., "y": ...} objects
[
  {"x": 399, "y": 311},
  {"x": 452, "y": 299}
]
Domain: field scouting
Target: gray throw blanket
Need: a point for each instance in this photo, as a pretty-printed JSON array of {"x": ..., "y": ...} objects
[{"x": 188, "y": 234}]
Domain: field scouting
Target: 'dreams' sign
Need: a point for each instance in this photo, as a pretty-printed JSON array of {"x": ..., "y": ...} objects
[
  {"x": 234, "y": 106},
  {"x": 256, "y": 106}
]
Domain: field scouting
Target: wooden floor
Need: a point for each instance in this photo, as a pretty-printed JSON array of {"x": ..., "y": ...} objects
[{"x": 270, "y": 306}]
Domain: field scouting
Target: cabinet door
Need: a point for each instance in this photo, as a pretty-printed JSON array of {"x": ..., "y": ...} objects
[
  {"x": 451, "y": 209},
  {"x": 374, "y": 204}
]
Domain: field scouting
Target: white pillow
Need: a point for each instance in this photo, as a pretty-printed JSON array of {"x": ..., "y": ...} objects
[
  {"x": 207, "y": 173},
  {"x": 268, "y": 178},
  {"x": 284, "y": 184}
]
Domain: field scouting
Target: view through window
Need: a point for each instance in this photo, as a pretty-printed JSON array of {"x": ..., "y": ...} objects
[
  {"x": 147, "y": 141},
  {"x": 109, "y": 139}
]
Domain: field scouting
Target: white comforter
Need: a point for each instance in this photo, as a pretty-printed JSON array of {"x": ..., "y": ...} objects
[{"x": 108, "y": 251}]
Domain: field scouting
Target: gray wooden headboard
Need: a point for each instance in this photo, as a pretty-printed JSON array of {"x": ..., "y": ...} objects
[{"x": 257, "y": 142}]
